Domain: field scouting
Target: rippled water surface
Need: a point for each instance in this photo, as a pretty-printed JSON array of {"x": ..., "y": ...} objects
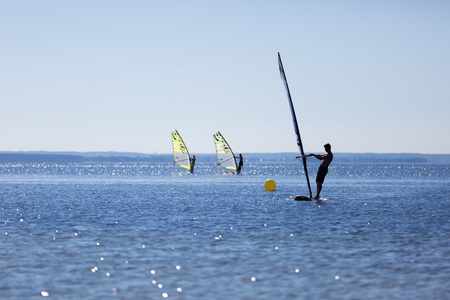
[{"x": 142, "y": 231}]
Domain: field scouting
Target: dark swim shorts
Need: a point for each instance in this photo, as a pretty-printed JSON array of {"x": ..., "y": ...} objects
[{"x": 321, "y": 174}]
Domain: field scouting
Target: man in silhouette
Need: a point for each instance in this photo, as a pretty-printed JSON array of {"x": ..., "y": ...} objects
[
  {"x": 192, "y": 163},
  {"x": 323, "y": 168},
  {"x": 241, "y": 163}
]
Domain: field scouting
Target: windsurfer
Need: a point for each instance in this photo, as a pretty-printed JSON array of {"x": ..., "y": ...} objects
[
  {"x": 323, "y": 168},
  {"x": 241, "y": 163},
  {"x": 192, "y": 163}
]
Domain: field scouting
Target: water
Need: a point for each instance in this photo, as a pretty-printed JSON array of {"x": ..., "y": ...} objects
[{"x": 142, "y": 231}]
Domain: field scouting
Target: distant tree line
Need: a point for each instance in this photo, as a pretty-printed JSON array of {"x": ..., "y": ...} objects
[{"x": 103, "y": 157}]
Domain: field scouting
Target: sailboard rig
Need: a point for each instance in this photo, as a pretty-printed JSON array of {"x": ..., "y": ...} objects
[
  {"x": 225, "y": 156},
  {"x": 297, "y": 131},
  {"x": 180, "y": 152}
]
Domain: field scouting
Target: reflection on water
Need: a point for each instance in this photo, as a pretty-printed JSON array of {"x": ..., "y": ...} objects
[{"x": 90, "y": 231}]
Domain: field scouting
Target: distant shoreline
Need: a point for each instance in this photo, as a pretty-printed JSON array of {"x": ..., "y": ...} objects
[{"x": 130, "y": 157}]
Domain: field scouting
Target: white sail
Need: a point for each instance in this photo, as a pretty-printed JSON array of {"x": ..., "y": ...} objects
[
  {"x": 180, "y": 152},
  {"x": 225, "y": 156}
]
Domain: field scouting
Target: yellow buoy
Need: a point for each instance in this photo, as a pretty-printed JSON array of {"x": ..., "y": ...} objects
[{"x": 270, "y": 185}]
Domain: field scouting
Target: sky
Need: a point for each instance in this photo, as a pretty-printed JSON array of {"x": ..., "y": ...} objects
[{"x": 365, "y": 76}]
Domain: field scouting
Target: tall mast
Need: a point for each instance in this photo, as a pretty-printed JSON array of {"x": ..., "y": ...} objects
[{"x": 294, "y": 120}]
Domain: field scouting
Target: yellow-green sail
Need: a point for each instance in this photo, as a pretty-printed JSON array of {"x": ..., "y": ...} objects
[
  {"x": 225, "y": 156},
  {"x": 180, "y": 152}
]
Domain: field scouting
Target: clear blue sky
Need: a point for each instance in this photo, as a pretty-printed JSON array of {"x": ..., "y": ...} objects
[{"x": 365, "y": 76}]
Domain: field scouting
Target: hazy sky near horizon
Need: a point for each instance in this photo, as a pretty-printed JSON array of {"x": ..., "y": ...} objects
[{"x": 365, "y": 76}]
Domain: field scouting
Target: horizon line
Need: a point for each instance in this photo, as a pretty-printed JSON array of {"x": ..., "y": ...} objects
[{"x": 199, "y": 153}]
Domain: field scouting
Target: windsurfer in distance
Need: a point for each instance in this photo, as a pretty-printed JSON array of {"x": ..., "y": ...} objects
[
  {"x": 192, "y": 164},
  {"x": 323, "y": 168},
  {"x": 241, "y": 163}
]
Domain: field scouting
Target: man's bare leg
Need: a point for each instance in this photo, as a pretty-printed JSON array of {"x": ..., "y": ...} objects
[{"x": 319, "y": 189}]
